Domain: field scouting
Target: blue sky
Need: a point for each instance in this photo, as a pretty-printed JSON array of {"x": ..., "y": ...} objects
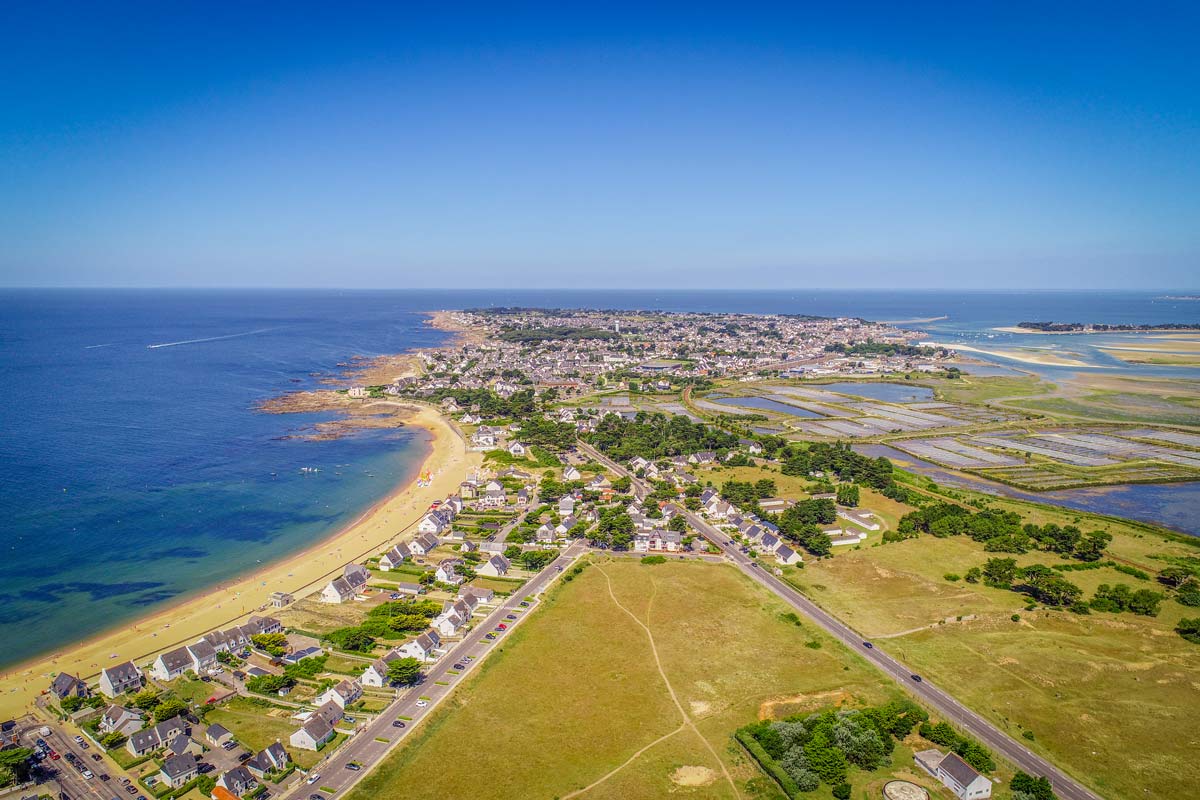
[{"x": 751, "y": 146}]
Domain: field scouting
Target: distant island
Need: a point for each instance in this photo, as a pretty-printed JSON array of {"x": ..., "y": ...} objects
[{"x": 1096, "y": 327}]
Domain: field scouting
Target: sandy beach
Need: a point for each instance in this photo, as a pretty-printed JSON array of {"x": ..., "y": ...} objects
[
  {"x": 232, "y": 602},
  {"x": 1022, "y": 356}
]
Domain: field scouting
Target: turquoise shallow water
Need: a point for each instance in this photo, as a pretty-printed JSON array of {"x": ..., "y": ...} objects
[{"x": 134, "y": 469}]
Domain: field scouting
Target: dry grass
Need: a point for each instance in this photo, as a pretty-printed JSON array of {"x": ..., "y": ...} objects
[{"x": 575, "y": 693}]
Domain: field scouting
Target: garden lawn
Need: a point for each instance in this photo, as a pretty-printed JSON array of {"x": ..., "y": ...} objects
[{"x": 256, "y": 726}]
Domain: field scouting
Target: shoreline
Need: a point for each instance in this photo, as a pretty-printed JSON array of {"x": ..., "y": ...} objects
[
  {"x": 1132, "y": 331},
  {"x": 228, "y": 603},
  {"x": 1048, "y": 360},
  {"x": 188, "y": 617}
]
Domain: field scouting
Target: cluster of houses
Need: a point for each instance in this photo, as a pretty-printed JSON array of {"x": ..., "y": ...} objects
[
  {"x": 714, "y": 345},
  {"x": 201, "y": 656}
]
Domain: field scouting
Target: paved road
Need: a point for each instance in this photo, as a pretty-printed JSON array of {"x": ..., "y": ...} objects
[
  {"x": 1065, "y": 786},
  {"x": 364, "y": 748},
  {"x": 73, "y": 784}
]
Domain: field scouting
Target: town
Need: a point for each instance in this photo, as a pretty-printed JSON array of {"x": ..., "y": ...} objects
[{"x": 578, "y": 456}]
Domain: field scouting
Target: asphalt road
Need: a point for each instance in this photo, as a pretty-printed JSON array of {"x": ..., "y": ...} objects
[
  {"x": 1066, "y": 787},
  {"x": 73, "y": 784},
  {"x": 364, "y": 747}
]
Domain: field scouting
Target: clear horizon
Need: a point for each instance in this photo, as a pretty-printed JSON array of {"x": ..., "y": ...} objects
[{"x": 940, "y": 147}]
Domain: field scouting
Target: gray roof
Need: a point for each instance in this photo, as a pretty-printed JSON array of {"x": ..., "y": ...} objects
[
  {"x": 177, "y": 659},
  {"x": 958, "y": 769},
  {"x": 122, "y": 673},
  {"x": 179, "y": 765}
]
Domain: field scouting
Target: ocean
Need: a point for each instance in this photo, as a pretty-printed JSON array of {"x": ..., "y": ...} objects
[{"x": 136, "y": 471}]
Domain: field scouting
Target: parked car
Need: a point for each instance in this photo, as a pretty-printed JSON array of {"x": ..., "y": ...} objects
[
  {"x": 511, "y": 616},
  {"x": 422, "y": 703},
  {"x": 524, "y": 604},
  {"x": 131, "y": 789},
  {"x": 396, "y": 724},
  {"x": 311, "y": 779},
  {"x": 95, "y": 756},
  {"x": 78, "y": 740},
  {"x": 353, "y": 766},
  {"x": 460, "y": 666}
]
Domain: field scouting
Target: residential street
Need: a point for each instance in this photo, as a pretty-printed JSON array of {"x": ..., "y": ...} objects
[
  {"x": 1065, "y": 786},
  {"x": 365, "y": 749}
]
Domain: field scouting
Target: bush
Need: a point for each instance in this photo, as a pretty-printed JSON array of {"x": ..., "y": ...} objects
[
  {"x": 952, "y": 577},
  {"x": 842, "y": 791},
  {"x": 654, "y": 559},
  {"x": 768, "y": 764}
]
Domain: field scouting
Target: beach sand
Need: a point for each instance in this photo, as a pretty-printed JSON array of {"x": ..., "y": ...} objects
[
  {"x": 1022, "y": 356},
  {"x": 232, "y": 602}
]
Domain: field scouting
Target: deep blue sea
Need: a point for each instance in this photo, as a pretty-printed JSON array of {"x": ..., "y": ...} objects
[{"x": 135, "y": 469}]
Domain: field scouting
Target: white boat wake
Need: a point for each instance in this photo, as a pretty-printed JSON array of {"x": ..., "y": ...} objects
[{"x": 208, "y": 339}]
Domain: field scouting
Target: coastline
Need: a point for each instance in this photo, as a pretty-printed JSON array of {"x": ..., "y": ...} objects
[
  {"x": 1047, "y": 360},
  {"x": 228, "y": 603},
  {"x": 1147, "y": 331},
  {"x": 386, "y": 521}
]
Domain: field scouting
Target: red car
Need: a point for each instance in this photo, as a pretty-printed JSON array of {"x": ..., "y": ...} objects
[
  {"x": 54, "y": 756},
  {"x": 501, "y": 627}
]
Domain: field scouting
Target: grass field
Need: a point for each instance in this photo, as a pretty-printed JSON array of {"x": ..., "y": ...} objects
[
  {"x": 1110, "y": 697},
  {"x": 257, "y": 726},
  {"x": 576, "y": 694}
]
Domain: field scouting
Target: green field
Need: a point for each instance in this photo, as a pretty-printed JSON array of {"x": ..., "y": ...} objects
[
  {"x": 575, "y": 695},
  {"x": 255, "y": 726},
  {"x": 1111, "y": 698}
]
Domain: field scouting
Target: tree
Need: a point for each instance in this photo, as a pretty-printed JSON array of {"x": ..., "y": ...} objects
[
  {"x": 269, "y": 684},
  {"x": 677, "y": 524},
  {"x": 1000, "y": 572},
  {"x": 1174, "y": 576},
  {"x": 205, "y": 784},
  {"x": 145, "y": 699},
  {"x": 112, "y": 739},
  {"x": 14, "y": 765},
  {"x": 274, "y": 643},
  {"x": 1033, "y": 788},
  {"x": 847, "y": 495},
  {"x": 1091, "y": 546},
  {"x": 171, "y": 707},
  {"x": 1189, "y": 628},
  {"x": 404, "y": 671}
]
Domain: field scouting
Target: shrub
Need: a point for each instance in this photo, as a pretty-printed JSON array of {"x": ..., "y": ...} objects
[
  {"x": 952, "y": 577},
  {"x": 654, "y": 559},
  {"x": 842, "y": 791}
]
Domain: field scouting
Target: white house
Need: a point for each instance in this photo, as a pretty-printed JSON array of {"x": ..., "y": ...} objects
[
  {"x": 517, "y": 449},
  {"x": 863, "y": 519},
  {"x": 421, "y": 648},
  {"x": 178, "y": 770},
  {"x": 447, "y": 571},
  {"x": 786, "y": 555},
  {"x": 118, "y": 719},
  {"x": 314, "y": 733},
  {"x": 394, "y": 557},
  {"x": 203, "y": 656},
  {"x": 423, "y": 544},
  {"x": 120, "y": 679},
  {"x": 376, "y": 673},
  {"x": 338, "y": 590},
  {"x": 171, "y": 664},
  {"x": 433, "y": 522},
  {"x": 570, "y": 473},
  {"x": 343, "y": 694},
  {"x": 495, "y": 567},
  {"x": 955, "y": 774}
]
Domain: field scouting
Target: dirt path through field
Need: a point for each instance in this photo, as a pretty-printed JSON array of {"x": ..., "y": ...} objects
[{"x": 687, "y": 720}]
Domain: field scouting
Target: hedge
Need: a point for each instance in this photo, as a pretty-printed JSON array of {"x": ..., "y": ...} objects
[{"x": 768, "y": 764}]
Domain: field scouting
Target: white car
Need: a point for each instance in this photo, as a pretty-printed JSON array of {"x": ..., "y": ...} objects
[
  {"x": 316, "y": 776},
  {"x": 422, "y": 703}
]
